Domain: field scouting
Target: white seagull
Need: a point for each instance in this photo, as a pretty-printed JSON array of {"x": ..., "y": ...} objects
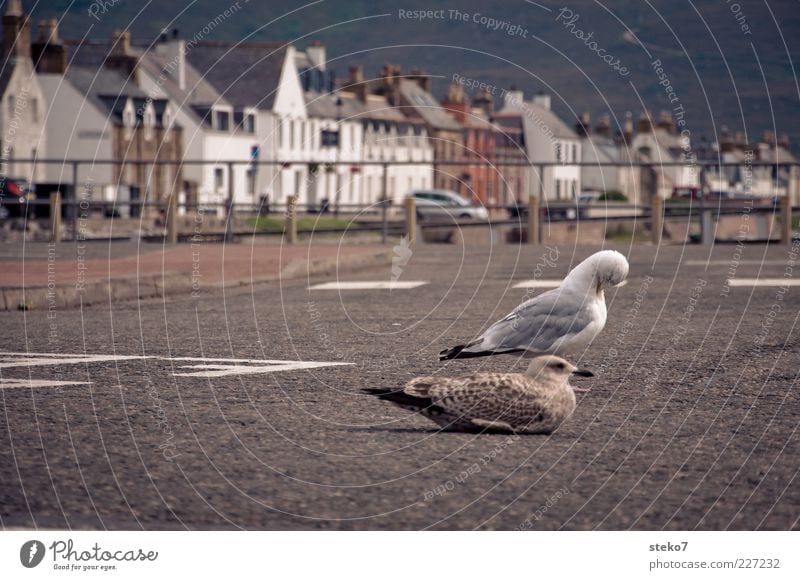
[
  {"x": 561, "y": 321},
  {"x": 535, "y": 402}
]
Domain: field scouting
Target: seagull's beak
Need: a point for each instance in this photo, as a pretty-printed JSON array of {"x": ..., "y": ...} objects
[{"x": 583, "y": 373}]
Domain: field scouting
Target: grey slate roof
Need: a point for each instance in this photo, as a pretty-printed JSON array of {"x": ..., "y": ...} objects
[
  {"x": 534, "y": 115},
  {"x": 246, "y": 75},
  {"x": 427, "y": 106},
  {"x": 197, "y": 92},
  {"x": 105, "y": 88},
  {"x": 323, "y": 105}
]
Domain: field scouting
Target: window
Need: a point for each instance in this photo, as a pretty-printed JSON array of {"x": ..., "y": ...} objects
[
  {"x": 558, "y": 189},
  {"x": 250, "y": 123},
  {"x": 558, "y": 152},
  {"x": 329, "y": 138},
  {"x": 291, "y": 135},
  {"x": 223, "y": 121},
  {"x": 149, "y": 121},
  {"x": 280, "y": 134},
  {"x": 219, "y": 178},
  {"x": 574, "y": 152},
  {"x": 127, "y": 117}
]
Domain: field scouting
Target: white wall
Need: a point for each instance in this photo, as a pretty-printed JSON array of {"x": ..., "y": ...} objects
[
  {"x": 22, "y": 121},
  {"x": 76, "y": 129}
]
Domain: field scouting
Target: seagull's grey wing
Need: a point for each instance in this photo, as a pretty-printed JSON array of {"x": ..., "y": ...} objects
[
  {"x": 537, "y": 324},
  {"x": 494, "y": 397}
]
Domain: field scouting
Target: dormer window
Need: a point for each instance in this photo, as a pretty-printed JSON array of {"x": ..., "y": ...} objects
[
  {"x": 148, "y": 120},
  {"x": 222, "y": 121},
  {"x": 244, "y": 121},
  {"x": 166, "y": 121},
  {"x": 128, "y": 116}
]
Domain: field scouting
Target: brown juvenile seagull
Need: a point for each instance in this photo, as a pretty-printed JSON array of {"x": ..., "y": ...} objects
[{"x": 537, "y": 401}]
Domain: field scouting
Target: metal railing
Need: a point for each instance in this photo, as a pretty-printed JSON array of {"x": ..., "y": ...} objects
[{"x": 538, "y": 206}]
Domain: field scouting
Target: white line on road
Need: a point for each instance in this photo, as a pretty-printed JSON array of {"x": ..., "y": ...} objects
[
  {"x": 750, "y": 282},
  {"x": 538, "y": 284},
  {"x": 209, "y": 367},
  {"x": 213, "y": 371},
  {"x": 385, "y": 285},
  {"x": 733, "y": 262},
  {"x": 29, "y": 383},
  {"x": 29, "y": 359}
]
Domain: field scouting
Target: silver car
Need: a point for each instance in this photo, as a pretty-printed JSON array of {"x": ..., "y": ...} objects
[{"x": 441, "y": 205}]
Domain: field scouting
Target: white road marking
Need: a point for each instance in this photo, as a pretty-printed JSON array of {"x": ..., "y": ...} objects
[
  {"x": 734, "y": 262},
  {"x": 30, "y": 383},
  {"x": 763, "y": 282},
  {"x": 208, "y": 367},
  {"x": 538, "y": 284},
  {"x": 29, "y": 359},
  {"x": 386, "y": 285},
  {"x": 213, "y": 371}
]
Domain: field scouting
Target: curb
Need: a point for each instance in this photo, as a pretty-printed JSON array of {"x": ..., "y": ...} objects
[{"x": 157, "y": 285}]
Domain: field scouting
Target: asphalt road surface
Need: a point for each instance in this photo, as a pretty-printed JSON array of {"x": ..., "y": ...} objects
[{"x": 691, "y": 421}]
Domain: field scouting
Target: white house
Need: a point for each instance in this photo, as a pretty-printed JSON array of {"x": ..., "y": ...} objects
[
  {"x": 663, "y": 144},
  {"x": 262, "y": 78},
  {"x": 78, "y": 128},
  {"x": 607, "y": 158},
  {"x": 547, "y": 140},
  {"x": 214, "y": 129},
  {"x": 22, "y": 103},
  {"x": 376, "y": 132}
]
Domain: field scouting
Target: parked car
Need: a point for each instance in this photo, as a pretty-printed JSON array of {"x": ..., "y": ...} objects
[
  {"x": 440, "y": 204},
  {"x": 15, "y": 194}
]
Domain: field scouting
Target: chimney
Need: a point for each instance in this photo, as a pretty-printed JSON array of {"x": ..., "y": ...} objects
[
  {"x": 627, "y": 128},
  {"x": 645, "y": 123},
  {"x": 725, "y": 139},
  {"x": 583, "y": 124},
  {"x": 542, "y": 100},
  {"x": 422, "y": 79},
  {"x": 514, "y": 99},
  {"x": 768, "y": 137},
  {"x": 603, "y": 127},
  {"x": 783, "y": 140},
  {"x": 739, "y": 140},
  {"x": 665, "y": 122},
  {"x": 121, "y": 57},
  {"x": 456, "y": 102},
  {"x": 48, "y": 52},
  {"x": 485, "y": 101},
  {"x": 357, "y": 84},
  {"x": 16, "y": 31},
  {"x": 173, "y": 53},
  {"x": 389, "y": 83},
  {"x": 317, "y": 56}
]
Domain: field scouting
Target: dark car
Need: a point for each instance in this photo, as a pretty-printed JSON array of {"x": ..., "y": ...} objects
[{"x": 14, "y": 196}]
